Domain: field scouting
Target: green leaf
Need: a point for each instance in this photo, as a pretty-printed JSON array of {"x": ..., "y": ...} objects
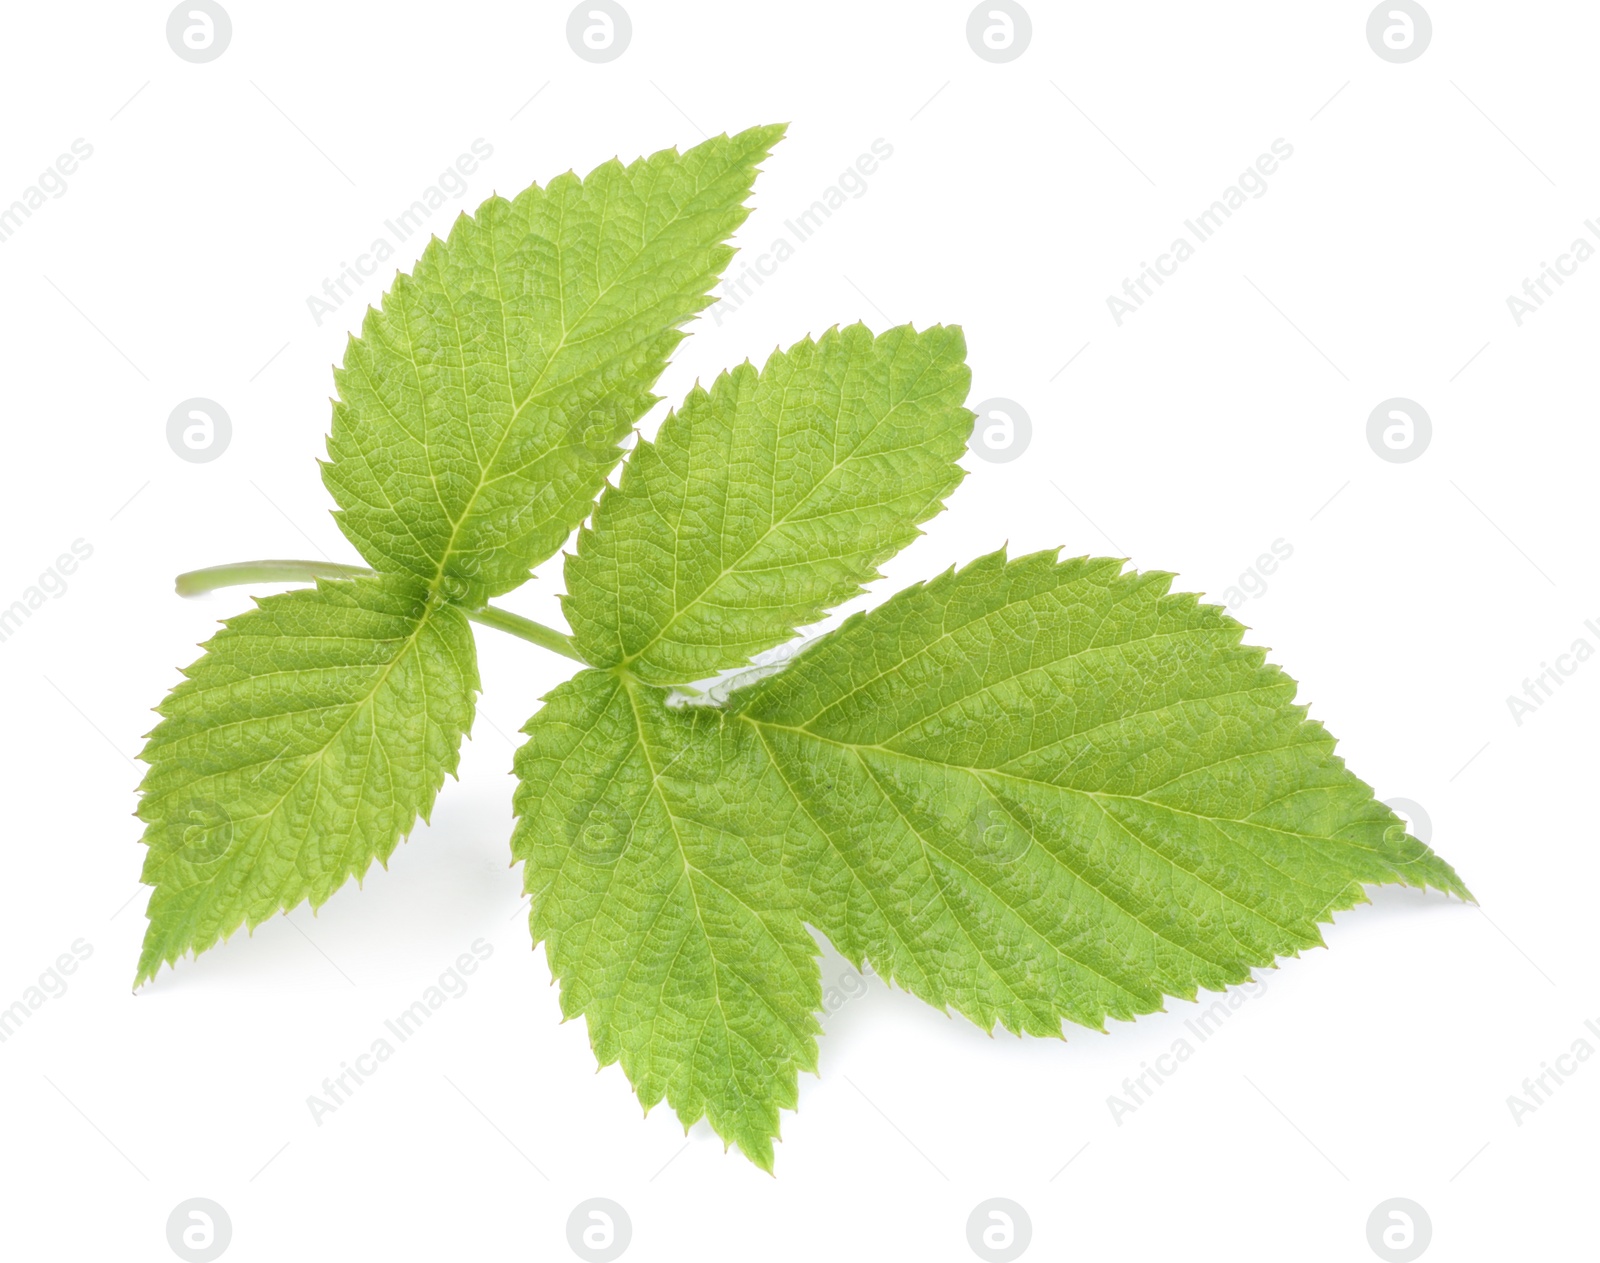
[
  {"x": 662, "y": 910},
  {"x": 1035, "y": 790},
  {"x": 1030, "y": 791},
  {"x": 1027, "y": 791},
  {"x": 302, "y": 746},
  {"x": 768, "y": 499},
  {"x": 480, "y": 410}
]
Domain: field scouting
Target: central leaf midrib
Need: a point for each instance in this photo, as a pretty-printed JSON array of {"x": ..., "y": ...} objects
[
  {"x": 775, "y": 525},
  {"x": 690, "y": 870},
  {"x": 484, "y": 477},
  {"x": 315, "y": 758},
  {"x": 1094, "y": 796}
]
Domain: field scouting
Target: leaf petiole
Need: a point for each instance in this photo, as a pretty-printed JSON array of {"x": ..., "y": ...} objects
[
  {"x": 195, "y": 582},
  {"x": 545, "y": 637}
]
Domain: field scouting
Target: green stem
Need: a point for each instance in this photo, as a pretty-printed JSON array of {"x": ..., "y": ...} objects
[
  {"x": 546, "y": 637},
  {"x": 194, "y": 582}
]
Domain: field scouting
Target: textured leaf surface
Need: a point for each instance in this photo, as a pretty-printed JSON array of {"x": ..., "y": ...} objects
[
  {"x": 1027, "y": 791},
  {"x": 1033, "y": 790},
  {"x": 768, "y": 499},
  {"x": 480, "y": 410},
  {"x": 1030, "y": 791},
  {"x": 301, "y": 747},
  {"x": 658, "y": 894}
]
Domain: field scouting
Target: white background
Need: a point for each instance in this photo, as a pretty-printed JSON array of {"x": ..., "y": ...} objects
[{"x": 1228, "y": 413}]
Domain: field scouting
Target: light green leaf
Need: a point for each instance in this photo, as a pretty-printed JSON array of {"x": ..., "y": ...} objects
[
  {"x": 662, "y": 909},
  {"x": 302, "y": 746},
  {"x": 768, "y": 499},
  {"x": 1034, "y": 790},
  {"x": 481, "y": 408},
  {"x": 1027, "y": 791}
]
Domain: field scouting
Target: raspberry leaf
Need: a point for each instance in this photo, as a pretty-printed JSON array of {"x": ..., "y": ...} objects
[
  {"x": 1033, "y": 790},
  {"x": 301, "y": 747},
  {"x": 1028, "y": 791},
  {"x": 767, "y": 499},
  {"x": 663, "y": 912},
  {"x": 480, "y": 410}
]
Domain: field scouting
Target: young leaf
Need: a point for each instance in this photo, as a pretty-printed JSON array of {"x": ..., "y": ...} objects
[
  {"x": 1031, "y": 790},
  {"x": 302, "y": 746},
  {"x": 663, "y": 914},
  {"x": 768, "y": 499},
  {"x": 481, "y": 408},
  {"x": 1028, "y": 791}
]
